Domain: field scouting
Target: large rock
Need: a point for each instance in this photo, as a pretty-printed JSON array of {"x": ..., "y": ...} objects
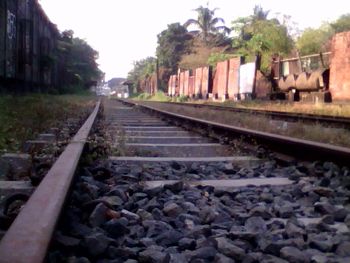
[
  {"x": 256, "y": 224},
  {"x": 226, "y": 247},
  {"x": 206, "y": 253},
  {"x": 98, "y": 215},
  {"x": 220, "y": 258},
  {"x": 117, "y": 227},
  {"x": 292, "y": 254},
  {"x": 96, "y": 244},
  {"x": 172, "y": 210},
  {"x": 343, "y": 249},
  {"x": 151, "y": 255}
]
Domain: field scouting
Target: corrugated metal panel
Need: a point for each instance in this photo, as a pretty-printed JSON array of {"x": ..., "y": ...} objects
[
  {"x": 198, "y": 81},
  {"x": 233, "y": 77},
  {"x": 2, "y": 37},
  {"x": 246, "y": 78},
  {"x": 11, "y": 39},
  {"x": 205, "y": 82}
]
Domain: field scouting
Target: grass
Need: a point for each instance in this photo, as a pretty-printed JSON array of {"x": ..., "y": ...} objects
[
  {"x": 24, "y": 117},
  {"x": 300, "y": 130},
  {"x": 159, "y": 97},
  {"x": 332, "y": 109}
]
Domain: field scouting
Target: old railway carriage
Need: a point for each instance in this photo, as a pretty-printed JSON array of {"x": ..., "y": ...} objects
[{"x": 28, "y": 41}]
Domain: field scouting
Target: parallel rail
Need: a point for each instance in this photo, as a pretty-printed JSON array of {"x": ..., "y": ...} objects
[
  {"x": 328, "y": 120},
  {"x": 298, "y": 148},
  {"x": 28, "y": 238}
]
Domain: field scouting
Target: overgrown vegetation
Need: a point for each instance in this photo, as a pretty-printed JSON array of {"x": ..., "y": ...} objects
[
  {"x": 159, "y": 96},
  {"x": 24, "y": 117}
]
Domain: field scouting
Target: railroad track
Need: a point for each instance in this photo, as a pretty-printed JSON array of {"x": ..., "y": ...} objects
[
  {"x": 176, "y": 196},
  {"x": 326, "y": 120}
]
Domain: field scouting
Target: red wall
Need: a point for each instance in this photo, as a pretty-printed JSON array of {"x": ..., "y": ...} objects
[
  {"x": 233, "y": 75},
  {"x": 340, "y": 67},
  {"x": 221, "y": 80}
]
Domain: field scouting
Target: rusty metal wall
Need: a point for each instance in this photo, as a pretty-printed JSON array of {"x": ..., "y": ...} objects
[
  {"x": 263, "y": 86},
  {"x": 222, "y": 79},
  {"x": 24, "y": 29},
  {"x": 340, "y": 67},
  {"x": 233, "y": 78},
  {"x": 205, "y": 82},
  {"x": 186, "y": 77},
  {"x": 191, "y": 92},
  {"x": 3, "y": 21},
  {"x": 198, "y": 82}
]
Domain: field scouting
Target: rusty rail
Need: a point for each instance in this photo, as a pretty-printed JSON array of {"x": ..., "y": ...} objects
[
  {"x": 29, "y": 236},
  {"x": 298, "y": 148}
]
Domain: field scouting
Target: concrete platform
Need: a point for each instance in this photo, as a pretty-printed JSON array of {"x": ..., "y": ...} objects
[
  {"x": 12, "y": 187},
  {"x": 237, "y": 160},
  {"x": 147, "y": 124},
  {"x": 165, "y": 139},
  {"x": 151, "y": 128},
  {"x": 178, "y": 150},
  {"x": 156, "y": 133},
  {"x": 224, "y": 184}
]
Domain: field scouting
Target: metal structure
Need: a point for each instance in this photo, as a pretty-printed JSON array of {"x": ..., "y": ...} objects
[
  {"x": 302, "y": 74},
  {"x": 28, "y": 41}
]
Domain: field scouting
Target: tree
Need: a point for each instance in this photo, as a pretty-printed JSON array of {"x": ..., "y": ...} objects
[
  {"x": 257, "y": 35},
  {"x": 313, "y": 41},
  {"x": 172, "y": 44},
  {"x": 259, "y": 13},
  {"x": 141, "y": 70},
  {"x": 341, "y": 24},
  {"x": 77, "y": 62},
  {"x": 207, "y": 23}
]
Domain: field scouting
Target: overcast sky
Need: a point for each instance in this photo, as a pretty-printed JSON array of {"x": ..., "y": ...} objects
[{"x": 123, "y": 31}]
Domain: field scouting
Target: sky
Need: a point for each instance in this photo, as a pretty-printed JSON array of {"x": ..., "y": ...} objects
[{"x": 124, "y": 31}]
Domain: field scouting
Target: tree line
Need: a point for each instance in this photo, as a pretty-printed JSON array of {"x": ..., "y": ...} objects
[
  {"x": 212, "y": 41},
  {"x": 77, "y": 63}
]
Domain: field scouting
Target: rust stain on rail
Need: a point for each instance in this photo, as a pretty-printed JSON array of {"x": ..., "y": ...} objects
[{"x": 29, "y": 236}]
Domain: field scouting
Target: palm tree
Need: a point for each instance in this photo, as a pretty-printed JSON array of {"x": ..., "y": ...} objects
[
  {"x": 259, "y": 13},
  {"x": 207, "y": 23}
]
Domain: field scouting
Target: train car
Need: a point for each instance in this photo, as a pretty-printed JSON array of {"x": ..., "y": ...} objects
[{"x": 28, "y": 44}]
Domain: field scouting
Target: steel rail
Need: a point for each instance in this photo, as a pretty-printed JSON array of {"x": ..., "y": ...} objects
[
  {"x": 29, "y": 236},
  {"x": 292, "y": 116},
  {"x": 298, "y": 148}
]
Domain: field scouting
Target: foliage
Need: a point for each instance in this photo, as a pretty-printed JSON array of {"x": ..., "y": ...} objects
[
  {"x": 200, "y": 55},
  {"x": 78, "y": 62},
  {"x": 159, "y": 96},
  {"x": 181, "y": 98},
  {"x": 256, "y": 34},
  {"x": 172, "y": 44},
  {"x": 341, "y": 24},
  {"x": 142, "y": 69},
  {"x": 317, "y": 40},
  {"x": 214, "y": 58},
  {"x": 207, "y": 24},
  {"x": 313, "y": 40}
]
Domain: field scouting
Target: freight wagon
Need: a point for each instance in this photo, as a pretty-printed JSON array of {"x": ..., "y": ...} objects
[{"x": 28, "y": 43}]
